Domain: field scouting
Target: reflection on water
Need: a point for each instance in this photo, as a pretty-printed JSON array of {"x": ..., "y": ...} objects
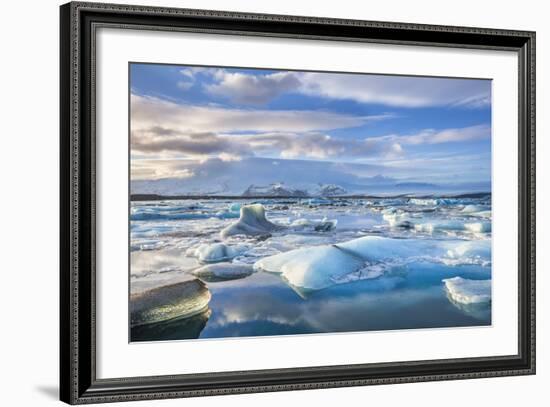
[
  {"x": 182, "y": 328},
  {"x": 262, "y": 304}
]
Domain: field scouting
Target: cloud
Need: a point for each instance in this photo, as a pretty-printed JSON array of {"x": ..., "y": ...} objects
[
  {"x": 148, "y": 112},
  {"x": 398, "y": 91},
  {"x": 167, "y": 129},
  {"x": 160, "y": 169},
  {"x": 390, "y": 90},
  {"x": 315, "y": 145},
  {"x": 158, "y": 140},
  {"x": 184, "y": 85},
  {"x": 253, "y": 89},
  {"x": 431, "y": 136}
]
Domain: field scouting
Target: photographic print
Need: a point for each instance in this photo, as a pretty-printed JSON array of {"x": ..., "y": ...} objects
[{"x": 280, "y": 202}]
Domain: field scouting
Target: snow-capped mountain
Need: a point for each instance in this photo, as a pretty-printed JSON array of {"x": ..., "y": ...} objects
[
  {"x": 275, "y": 189},
  {"x": 329, "y": 190}
]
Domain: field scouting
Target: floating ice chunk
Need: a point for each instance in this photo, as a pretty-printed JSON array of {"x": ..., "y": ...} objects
[
  {"x": 180, "y": 300},
  {"x": 252, "y": 222},
  {"x": 397, "y": 218},
  {"x": 216, "y": 252},
  {"x": 323, "y": 225},
  {"x": 420, "y": 201},
  {"x": 312, "y": 268},
  {"x": 318, "y": 201},
  {"x": 473, "y": 252},
  {"x": 474, "y": 208},
  {"x": 434, "y": 226},
  {"x": 234, "y": 207},
  {"x": 318, "y": 267},
  {"x": 482, "y": 214},
  {"x": 466, "y": 291},
  {"x": 146, "y": 244},
  {"x": 478, "y": 227},
  {"x": 224, "y": 271}
]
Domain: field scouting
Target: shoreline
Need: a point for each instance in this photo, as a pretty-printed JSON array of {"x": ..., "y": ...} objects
[{"x": 155, "y": 197}]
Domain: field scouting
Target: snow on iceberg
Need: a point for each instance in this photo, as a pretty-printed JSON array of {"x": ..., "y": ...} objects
[
  {"x": 466, "y": 291},
  {"x": 475, "y": 252},
  {"x": 215, "y": 252},
  {"x": 478, "y": 227},
  {"x": 430, "y": 227},
  {"x": 474, "y": 208},
  {"x": 311, "y": 268},
  {"x": 181, "y": 300},
  {"x": 252, "y": 222},
  {"x": 319, "y": 267},
  {"x": 423, "y": 201}
]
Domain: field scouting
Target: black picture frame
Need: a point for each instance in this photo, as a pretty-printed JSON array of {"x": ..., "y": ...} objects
[{"x": 78, "y": 381}]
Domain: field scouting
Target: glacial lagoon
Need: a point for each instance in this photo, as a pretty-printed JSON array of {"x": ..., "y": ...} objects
[{"x": 216, "y": 268}]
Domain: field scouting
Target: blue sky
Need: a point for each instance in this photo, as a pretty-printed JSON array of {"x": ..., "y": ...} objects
[{"x": 186, "y": 121}]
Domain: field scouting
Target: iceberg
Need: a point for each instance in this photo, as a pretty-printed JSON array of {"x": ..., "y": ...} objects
[
  {"x": 252, "y": 222},
  {"x": 466, "y": 291},
  {"x": 476, "y": 252},
  {"x": 478, "y": 227},
  {"x": 423, "y": 201},
  {"x": 434, "y": 226},
  {"x": 216, "y": 252},
  {"x": 323, "y": 225},
  {"x": 181, "y": 300},
  {"x": 223, "y": 271},
  {"x": 474, "y": 208},
  {"x": 319, "y": 267},
  {"x": 311, "y": 268}
]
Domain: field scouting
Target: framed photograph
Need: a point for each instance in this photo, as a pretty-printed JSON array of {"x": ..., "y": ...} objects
[{"x": 255, "y": 203}]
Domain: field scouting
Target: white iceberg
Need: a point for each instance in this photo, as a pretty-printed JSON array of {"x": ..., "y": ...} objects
[
  {"x": 474, "y": 208},
  {"x": 468, "y": 252},
  {"x": 319, "y": 267},
  {"x": 252, "y": 222},
  {"x": 181, "y": 300},
  {"x": 215, "y": 252},
  {"x": 312, "y": 268},
  {"x": 466, "y": 291},
  {"x": 423, "y": 201},
  {"x": 430, "y": 227},
  {"x": 478, "y": 227},
  {"x": 323, "y": 225}
]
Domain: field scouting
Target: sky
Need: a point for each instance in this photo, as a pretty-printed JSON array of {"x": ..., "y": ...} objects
[{"x": 215, "y": 129}]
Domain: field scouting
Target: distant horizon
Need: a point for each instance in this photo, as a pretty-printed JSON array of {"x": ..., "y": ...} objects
[{"x": 221, "y": 131}]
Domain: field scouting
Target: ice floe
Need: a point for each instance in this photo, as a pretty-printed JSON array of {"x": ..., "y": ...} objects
[
  {"x": 224, "y": 271},
  {"x": 466, "y": 291},
  {"x": 179, "y": 300},
  {"x": 319, "y": 267},
  {"x": 478, "y": 227},
  {"x": 215, "y": 252},
  {"x": 323, "y": 225},
  {"x": 311, "y": 268}
]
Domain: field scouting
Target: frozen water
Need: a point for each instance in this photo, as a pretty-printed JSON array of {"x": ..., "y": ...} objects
[
  {"x": 320, "y": 267},
  {"x": 216, "y": 252},
  {"x": 314, "y": 245},
  {"x": 467, "y": 291},
  {"x": 314, "y": 268}
]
